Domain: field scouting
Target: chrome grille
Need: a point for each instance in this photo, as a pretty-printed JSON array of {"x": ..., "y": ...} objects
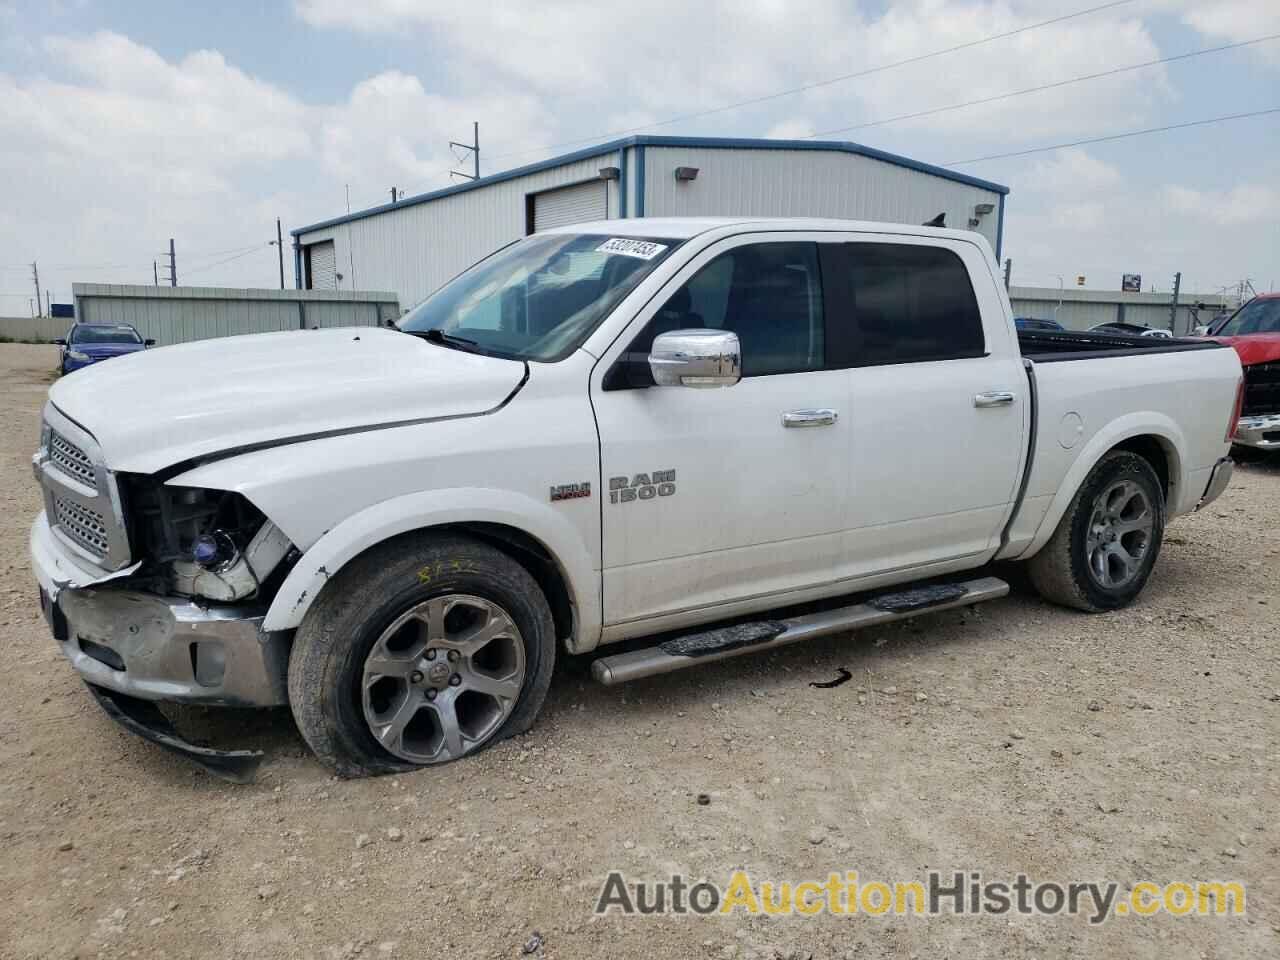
[
  {"x": 81, "y": 496},
  {"x": 84, "y": 526},
  {"x": 70, "y": 459}
]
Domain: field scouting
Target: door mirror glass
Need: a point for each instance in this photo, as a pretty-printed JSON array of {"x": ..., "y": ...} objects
[{"x": 696, "y": 358}]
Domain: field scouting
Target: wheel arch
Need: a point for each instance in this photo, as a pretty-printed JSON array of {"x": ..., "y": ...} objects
[
  {"x": 539, "y": 539},
  {"x": 1154, "y": 437}
]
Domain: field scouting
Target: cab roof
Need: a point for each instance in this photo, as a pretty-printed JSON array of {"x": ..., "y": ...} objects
[{"x": 684, "y": 228}]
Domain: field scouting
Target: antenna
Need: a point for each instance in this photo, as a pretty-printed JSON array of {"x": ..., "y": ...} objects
[{"x": 474, "y": 148}]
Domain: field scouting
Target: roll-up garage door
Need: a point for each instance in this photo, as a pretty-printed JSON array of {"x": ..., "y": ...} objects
[
  {"x": 576, "y": 204},
  {"x": 322, "y": 267}
]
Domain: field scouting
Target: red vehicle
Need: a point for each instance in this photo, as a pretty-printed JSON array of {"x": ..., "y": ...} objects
[{"x": 1254, "y": 331}]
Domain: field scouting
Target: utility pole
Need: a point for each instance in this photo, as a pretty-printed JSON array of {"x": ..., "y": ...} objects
[
  {"x": 1008, "y": 272},
  {"x": 35, "y": 275},
  {"x": 1173, "y": 306},
  {"x": 280, "y": 250},
  {"x": 474, "y": 147},
  {"x": 155, "y": 272}
]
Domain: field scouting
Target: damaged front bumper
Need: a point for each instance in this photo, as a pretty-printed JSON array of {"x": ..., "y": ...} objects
[
  {"x": 158, "y": 648},
  {"x": 143, "y": 717},
  {"x": 134, "y": 648}
]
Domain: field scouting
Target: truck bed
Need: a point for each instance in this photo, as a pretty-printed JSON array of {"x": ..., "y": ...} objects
[{"x": 1046, "y": 346}]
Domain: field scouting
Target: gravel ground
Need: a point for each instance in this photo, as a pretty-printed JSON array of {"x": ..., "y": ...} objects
[{"x": 1139, "y": 745}]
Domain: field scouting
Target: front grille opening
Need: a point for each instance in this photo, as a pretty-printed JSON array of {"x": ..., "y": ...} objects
[
  {"x": 1261, "y": 389},
  {"x": 86, "y": 527},
  {"x": 70, "y": 459},
  {"x": 102, "y": 653}
]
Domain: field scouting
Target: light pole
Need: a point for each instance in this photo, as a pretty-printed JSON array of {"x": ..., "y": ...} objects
[{"x": 1060, "y": 292}]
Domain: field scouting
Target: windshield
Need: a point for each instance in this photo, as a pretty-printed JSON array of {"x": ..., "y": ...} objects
[
  {"x": 1256, "y": 316},
  {"x": 105, "y": 335},
  {"x": 540, "y": 298}
]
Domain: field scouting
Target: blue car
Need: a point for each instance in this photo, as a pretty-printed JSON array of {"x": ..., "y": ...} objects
[{"x": 87, "y": 343}]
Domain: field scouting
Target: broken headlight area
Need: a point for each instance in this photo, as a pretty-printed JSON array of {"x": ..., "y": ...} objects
[{"x": 211, "y": 544}]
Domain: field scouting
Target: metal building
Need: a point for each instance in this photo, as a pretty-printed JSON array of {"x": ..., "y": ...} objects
[
  {"x": 415, "y": 245},
  {"x": 1079, "y": 309},
  {"x": 182, "y": 314}
]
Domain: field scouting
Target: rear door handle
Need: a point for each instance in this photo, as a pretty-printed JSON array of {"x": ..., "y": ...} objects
[
  {"x": 994, "y": 398},
  {"x": 809, "y": 418}
]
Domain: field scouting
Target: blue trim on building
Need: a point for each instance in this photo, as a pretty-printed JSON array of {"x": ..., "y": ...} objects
[
  {"x": 622, "y": 184},
  {"x": 1000, "y": 228},
  {"x": 614, "y": 146},
  {"x": 640, "y": 180}
]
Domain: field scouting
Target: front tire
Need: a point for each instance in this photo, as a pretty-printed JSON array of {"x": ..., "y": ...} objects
[
  {"x": 421, "y": 651},
  {"x": 1104, "y": 548}
]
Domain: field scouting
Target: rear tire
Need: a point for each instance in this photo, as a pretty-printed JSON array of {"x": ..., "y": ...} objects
[
  {"x": 1107, "y": 542},
  {"x": 362, "y": 672}
]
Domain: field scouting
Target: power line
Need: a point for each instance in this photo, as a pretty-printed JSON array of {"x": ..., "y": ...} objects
[
  {"x": 238, "y": 256},
  {"x": 220, "y": 253},
  {"x": 1046, "y": 86},
  {"x": 816, "y": 84},
  {"x": 1115, "y": 136}
]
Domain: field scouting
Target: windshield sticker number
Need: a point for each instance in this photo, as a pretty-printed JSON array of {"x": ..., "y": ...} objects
[{"x": 640, "y": 249}]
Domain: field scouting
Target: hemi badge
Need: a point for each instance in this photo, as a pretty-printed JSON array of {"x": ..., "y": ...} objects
[{"x": 570, "y": 491}]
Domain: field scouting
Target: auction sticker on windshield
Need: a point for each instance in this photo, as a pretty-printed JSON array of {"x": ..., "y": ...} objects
[{"x": 641, "y": 249}]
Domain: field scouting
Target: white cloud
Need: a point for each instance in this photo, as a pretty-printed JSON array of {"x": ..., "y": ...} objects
[
  {"x": 1072, "y": 172},
  {"x": 790, "y": 130},
  {"x": 1246, "y": 203},
  {"x": 1238, "y": 20},
  {"x": 130, "y": 149},
  {"x": 670, "y": 57}
]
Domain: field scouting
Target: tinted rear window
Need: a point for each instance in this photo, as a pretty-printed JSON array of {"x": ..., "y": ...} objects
[{"x": 912, "y": 303}]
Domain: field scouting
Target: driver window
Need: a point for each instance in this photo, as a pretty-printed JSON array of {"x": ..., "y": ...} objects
[{"x": 769, "y": 294}]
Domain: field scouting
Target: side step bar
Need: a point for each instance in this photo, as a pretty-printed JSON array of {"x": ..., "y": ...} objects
[{"x": 726, "y": 642}]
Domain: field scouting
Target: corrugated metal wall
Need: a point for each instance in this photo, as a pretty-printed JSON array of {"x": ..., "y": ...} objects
[
  {"x": 416, "y": 249},
  {"x": 1082, "y": 309},
  {"x": 33, "y": 328},
  {"x": 182, "y": 314},
  {"x": 805, "y": 183}
]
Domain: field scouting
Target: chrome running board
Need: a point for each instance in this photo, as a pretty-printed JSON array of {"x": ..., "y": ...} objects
[{"x": 725, "y": 642}]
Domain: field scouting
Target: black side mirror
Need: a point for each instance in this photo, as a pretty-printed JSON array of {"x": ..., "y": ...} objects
[
  {"x": 149, "y": 342},
  {"x": 59, "y": 342}
]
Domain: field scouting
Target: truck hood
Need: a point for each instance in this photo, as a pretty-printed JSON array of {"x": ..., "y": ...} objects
[
  {"x": 156, "y": 408},
  {"x": 1254, "y": 347}
]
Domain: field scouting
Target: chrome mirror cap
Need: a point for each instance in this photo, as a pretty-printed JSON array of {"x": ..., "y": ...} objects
[{"x": 696, "y": 358}]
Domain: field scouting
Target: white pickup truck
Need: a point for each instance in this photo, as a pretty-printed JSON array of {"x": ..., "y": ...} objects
[{"x": 681, "y": 430}]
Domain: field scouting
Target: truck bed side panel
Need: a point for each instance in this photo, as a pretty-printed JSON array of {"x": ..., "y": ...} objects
[{"x": 1184, "y": 398}]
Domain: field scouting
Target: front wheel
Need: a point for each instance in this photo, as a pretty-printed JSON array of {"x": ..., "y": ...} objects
[
  {"x": 1105, "y": 546},
  {"x": 421, "y": 651}
]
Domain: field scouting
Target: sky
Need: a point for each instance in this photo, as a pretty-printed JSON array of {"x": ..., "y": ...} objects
[{"x": 123, "y": 124}]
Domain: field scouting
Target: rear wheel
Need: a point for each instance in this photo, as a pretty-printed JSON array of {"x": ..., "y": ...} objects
[
  {"x": 422, "y": 651},
  {"x": 1105, "y": 546}
]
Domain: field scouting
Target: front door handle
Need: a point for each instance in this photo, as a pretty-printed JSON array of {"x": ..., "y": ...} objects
[
  {"x": 994, "y": 398},
  {"x": 809, "y": 418}
]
